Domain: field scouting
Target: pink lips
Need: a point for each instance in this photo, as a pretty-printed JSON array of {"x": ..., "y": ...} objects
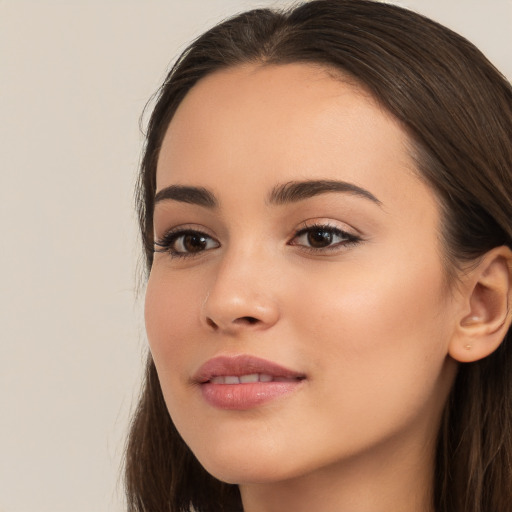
[{"x": 242, "y": 382}]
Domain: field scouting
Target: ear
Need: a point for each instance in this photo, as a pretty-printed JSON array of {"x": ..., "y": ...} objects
[{"x": 486, "y": 316}]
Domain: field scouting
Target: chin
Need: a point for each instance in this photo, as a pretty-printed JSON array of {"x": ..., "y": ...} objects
[
  {"x": 242, "y": 474},
  {"x": 246, "y": 465}
]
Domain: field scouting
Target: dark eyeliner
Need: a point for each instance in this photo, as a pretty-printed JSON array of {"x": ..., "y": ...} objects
[
  {"x": 166, "y": 242},
  {"x": 348, "y": 238}
]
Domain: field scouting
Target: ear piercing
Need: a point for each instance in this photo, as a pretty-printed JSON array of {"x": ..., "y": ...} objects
[{"x": 467, "y": 347}]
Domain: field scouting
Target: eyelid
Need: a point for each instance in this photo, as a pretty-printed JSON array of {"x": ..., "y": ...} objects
[
  {"x": 188, "y": 226},
  {"x": 328, "y": 223}
]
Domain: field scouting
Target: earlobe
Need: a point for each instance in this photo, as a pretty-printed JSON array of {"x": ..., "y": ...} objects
[{"x": 487, "y": 316}]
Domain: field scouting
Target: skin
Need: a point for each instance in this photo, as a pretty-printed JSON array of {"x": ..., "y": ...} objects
[{"x": 369, "y": 323}]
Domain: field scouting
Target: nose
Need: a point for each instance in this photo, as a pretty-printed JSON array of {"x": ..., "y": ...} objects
[{"x": 242, "y": 295}]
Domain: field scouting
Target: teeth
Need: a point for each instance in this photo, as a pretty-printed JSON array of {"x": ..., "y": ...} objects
[
  {"x": 253, "y": 377},
  {"x": 245, "y": 379}
]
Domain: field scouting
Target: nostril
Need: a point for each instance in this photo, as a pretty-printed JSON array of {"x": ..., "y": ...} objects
[
  {"x": 211, "y": 324},
  {"x": 247, "y": 320},
  {"x": 238, "y": 322}
]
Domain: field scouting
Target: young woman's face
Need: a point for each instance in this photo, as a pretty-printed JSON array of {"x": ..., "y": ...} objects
[{"x": 297, "y": 308}]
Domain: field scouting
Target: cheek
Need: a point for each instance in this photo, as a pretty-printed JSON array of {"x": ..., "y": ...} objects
[
  {"x": 171, "y": 315},
  {"x": 381, "y": 339},
  {"x": 368, "y": 309}
]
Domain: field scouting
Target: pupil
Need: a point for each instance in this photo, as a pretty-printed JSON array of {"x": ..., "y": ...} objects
[
  {"x": 194, "y": 243},
  {"x": 319, "y": 238}
]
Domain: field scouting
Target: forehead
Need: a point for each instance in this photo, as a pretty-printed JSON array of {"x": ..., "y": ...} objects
[{"x": 258, "y": 125}]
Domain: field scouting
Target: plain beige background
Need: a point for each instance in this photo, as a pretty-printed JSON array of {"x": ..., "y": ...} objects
[{"x": 75, "y": 76}]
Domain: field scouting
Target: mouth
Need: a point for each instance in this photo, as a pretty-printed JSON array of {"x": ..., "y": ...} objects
[
  {"x": 244, "y": 369},
  {"x": 243, "y": 382},
  {"x": 250, "y": 378}
]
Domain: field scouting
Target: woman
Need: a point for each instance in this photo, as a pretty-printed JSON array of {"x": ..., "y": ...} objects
[{"x": 325, "y": 208}]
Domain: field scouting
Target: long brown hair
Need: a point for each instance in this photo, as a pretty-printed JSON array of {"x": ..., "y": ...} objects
[{"x": 457, "y": 109}]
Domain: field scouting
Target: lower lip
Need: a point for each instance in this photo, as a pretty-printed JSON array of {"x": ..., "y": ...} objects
[{"x": 246, "y": 396}]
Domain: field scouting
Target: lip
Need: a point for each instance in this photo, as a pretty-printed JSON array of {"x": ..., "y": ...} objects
[{"x": 244, "y": 395}]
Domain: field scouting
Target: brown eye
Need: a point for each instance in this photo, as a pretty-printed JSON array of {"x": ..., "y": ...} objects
[
  {"x": 192, "y": 242},
  {"x": 186, "y": 243},
  {"x": 323, "y": 237},
  {"x": 319, "y": 237}
]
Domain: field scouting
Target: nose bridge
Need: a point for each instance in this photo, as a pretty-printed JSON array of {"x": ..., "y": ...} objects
[{"x": 242, "y": 292}]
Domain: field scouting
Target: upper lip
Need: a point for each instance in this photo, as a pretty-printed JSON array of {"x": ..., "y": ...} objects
[{"x": 242, "y": 365}]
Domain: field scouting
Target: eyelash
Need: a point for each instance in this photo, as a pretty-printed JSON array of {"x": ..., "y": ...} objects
[
  {"x": 308, "y": 229},
  {"x": 167, "y": 243}
]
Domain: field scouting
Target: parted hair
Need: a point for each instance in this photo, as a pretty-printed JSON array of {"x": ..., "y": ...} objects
[{"x": 457, "y": 110}]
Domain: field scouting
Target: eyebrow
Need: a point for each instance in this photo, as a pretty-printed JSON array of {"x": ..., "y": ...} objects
[
  {"x": 291, "y": 192},
  {"x": 295, "y": 191},
  {"x": 185, "y": 194}
]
